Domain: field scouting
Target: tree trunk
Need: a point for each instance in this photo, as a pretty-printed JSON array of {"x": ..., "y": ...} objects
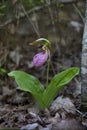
[{"x": 84, "y": 66}]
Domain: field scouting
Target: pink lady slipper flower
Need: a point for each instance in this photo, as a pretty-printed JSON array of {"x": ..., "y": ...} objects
[{"x": 40, "y": 58}]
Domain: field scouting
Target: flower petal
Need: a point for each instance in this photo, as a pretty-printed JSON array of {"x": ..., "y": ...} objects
[{"x": 40, "y": 58}]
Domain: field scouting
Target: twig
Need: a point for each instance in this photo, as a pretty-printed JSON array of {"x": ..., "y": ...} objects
[
  {"x": 53, "y": 22},
  {"x": 32, "y": 10},
  {"x": 6, "y": 23},
  {"x": 36, "y": 23},
  {"x": 26, "y": 14},
  {"x": 79, "y": 12},
  {"x": 22, "y": 15}
]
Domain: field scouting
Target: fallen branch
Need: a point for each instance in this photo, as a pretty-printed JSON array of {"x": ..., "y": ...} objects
[{"x": 84, "y": 66}]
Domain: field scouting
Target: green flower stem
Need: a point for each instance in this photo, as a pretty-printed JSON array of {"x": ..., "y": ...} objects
[{"x": 48, "y": 67}]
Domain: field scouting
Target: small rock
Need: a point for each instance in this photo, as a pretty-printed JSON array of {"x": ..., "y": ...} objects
[
  {"x": 69, "y": 124},
  {"x": 45, "y": 129},
  {"x": 33, "y": 115},
  {"x": 55, "y": 119},
  {"x": 30, "y": 64},
  {"x": 85, "y": 123},
  {"x": 33, "y": 126},
  {"x": 64, "y": 104},
  {"x": 15, "y": 56},
  {"x": 76, "y": 25},
  {"x": 7, "y": 91}
]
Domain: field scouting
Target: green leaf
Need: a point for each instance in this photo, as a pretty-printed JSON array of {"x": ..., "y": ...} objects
[
  {"x": 3, "y": 71},
  {"x": 27, "y": 82},
  {"x": 43, "y": 96},
  {"x": 30, "y": 84},
  {"x": 2, "y": 7},
  {"x": 57, "y": 84}
]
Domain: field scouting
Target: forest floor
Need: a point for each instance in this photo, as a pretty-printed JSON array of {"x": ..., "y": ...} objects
[{"x": 63, "y": 26}]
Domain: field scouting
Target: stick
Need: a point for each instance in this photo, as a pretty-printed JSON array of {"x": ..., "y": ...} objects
[{"x": 84, "y": 66}]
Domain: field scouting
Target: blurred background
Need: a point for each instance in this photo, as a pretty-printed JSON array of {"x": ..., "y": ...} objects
[{"x": 22, "y": 22}]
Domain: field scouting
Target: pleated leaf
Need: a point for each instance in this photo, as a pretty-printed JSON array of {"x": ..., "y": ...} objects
[
  {"x": 57, "y": 83},
  {"x": 30, "y": 84}
]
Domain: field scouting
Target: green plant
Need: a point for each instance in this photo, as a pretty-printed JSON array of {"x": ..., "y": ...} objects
[
  {"x": 31, "y": 84},
  {"x": 2, "y": 70},
  {"x": 2, "y": 7}
]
